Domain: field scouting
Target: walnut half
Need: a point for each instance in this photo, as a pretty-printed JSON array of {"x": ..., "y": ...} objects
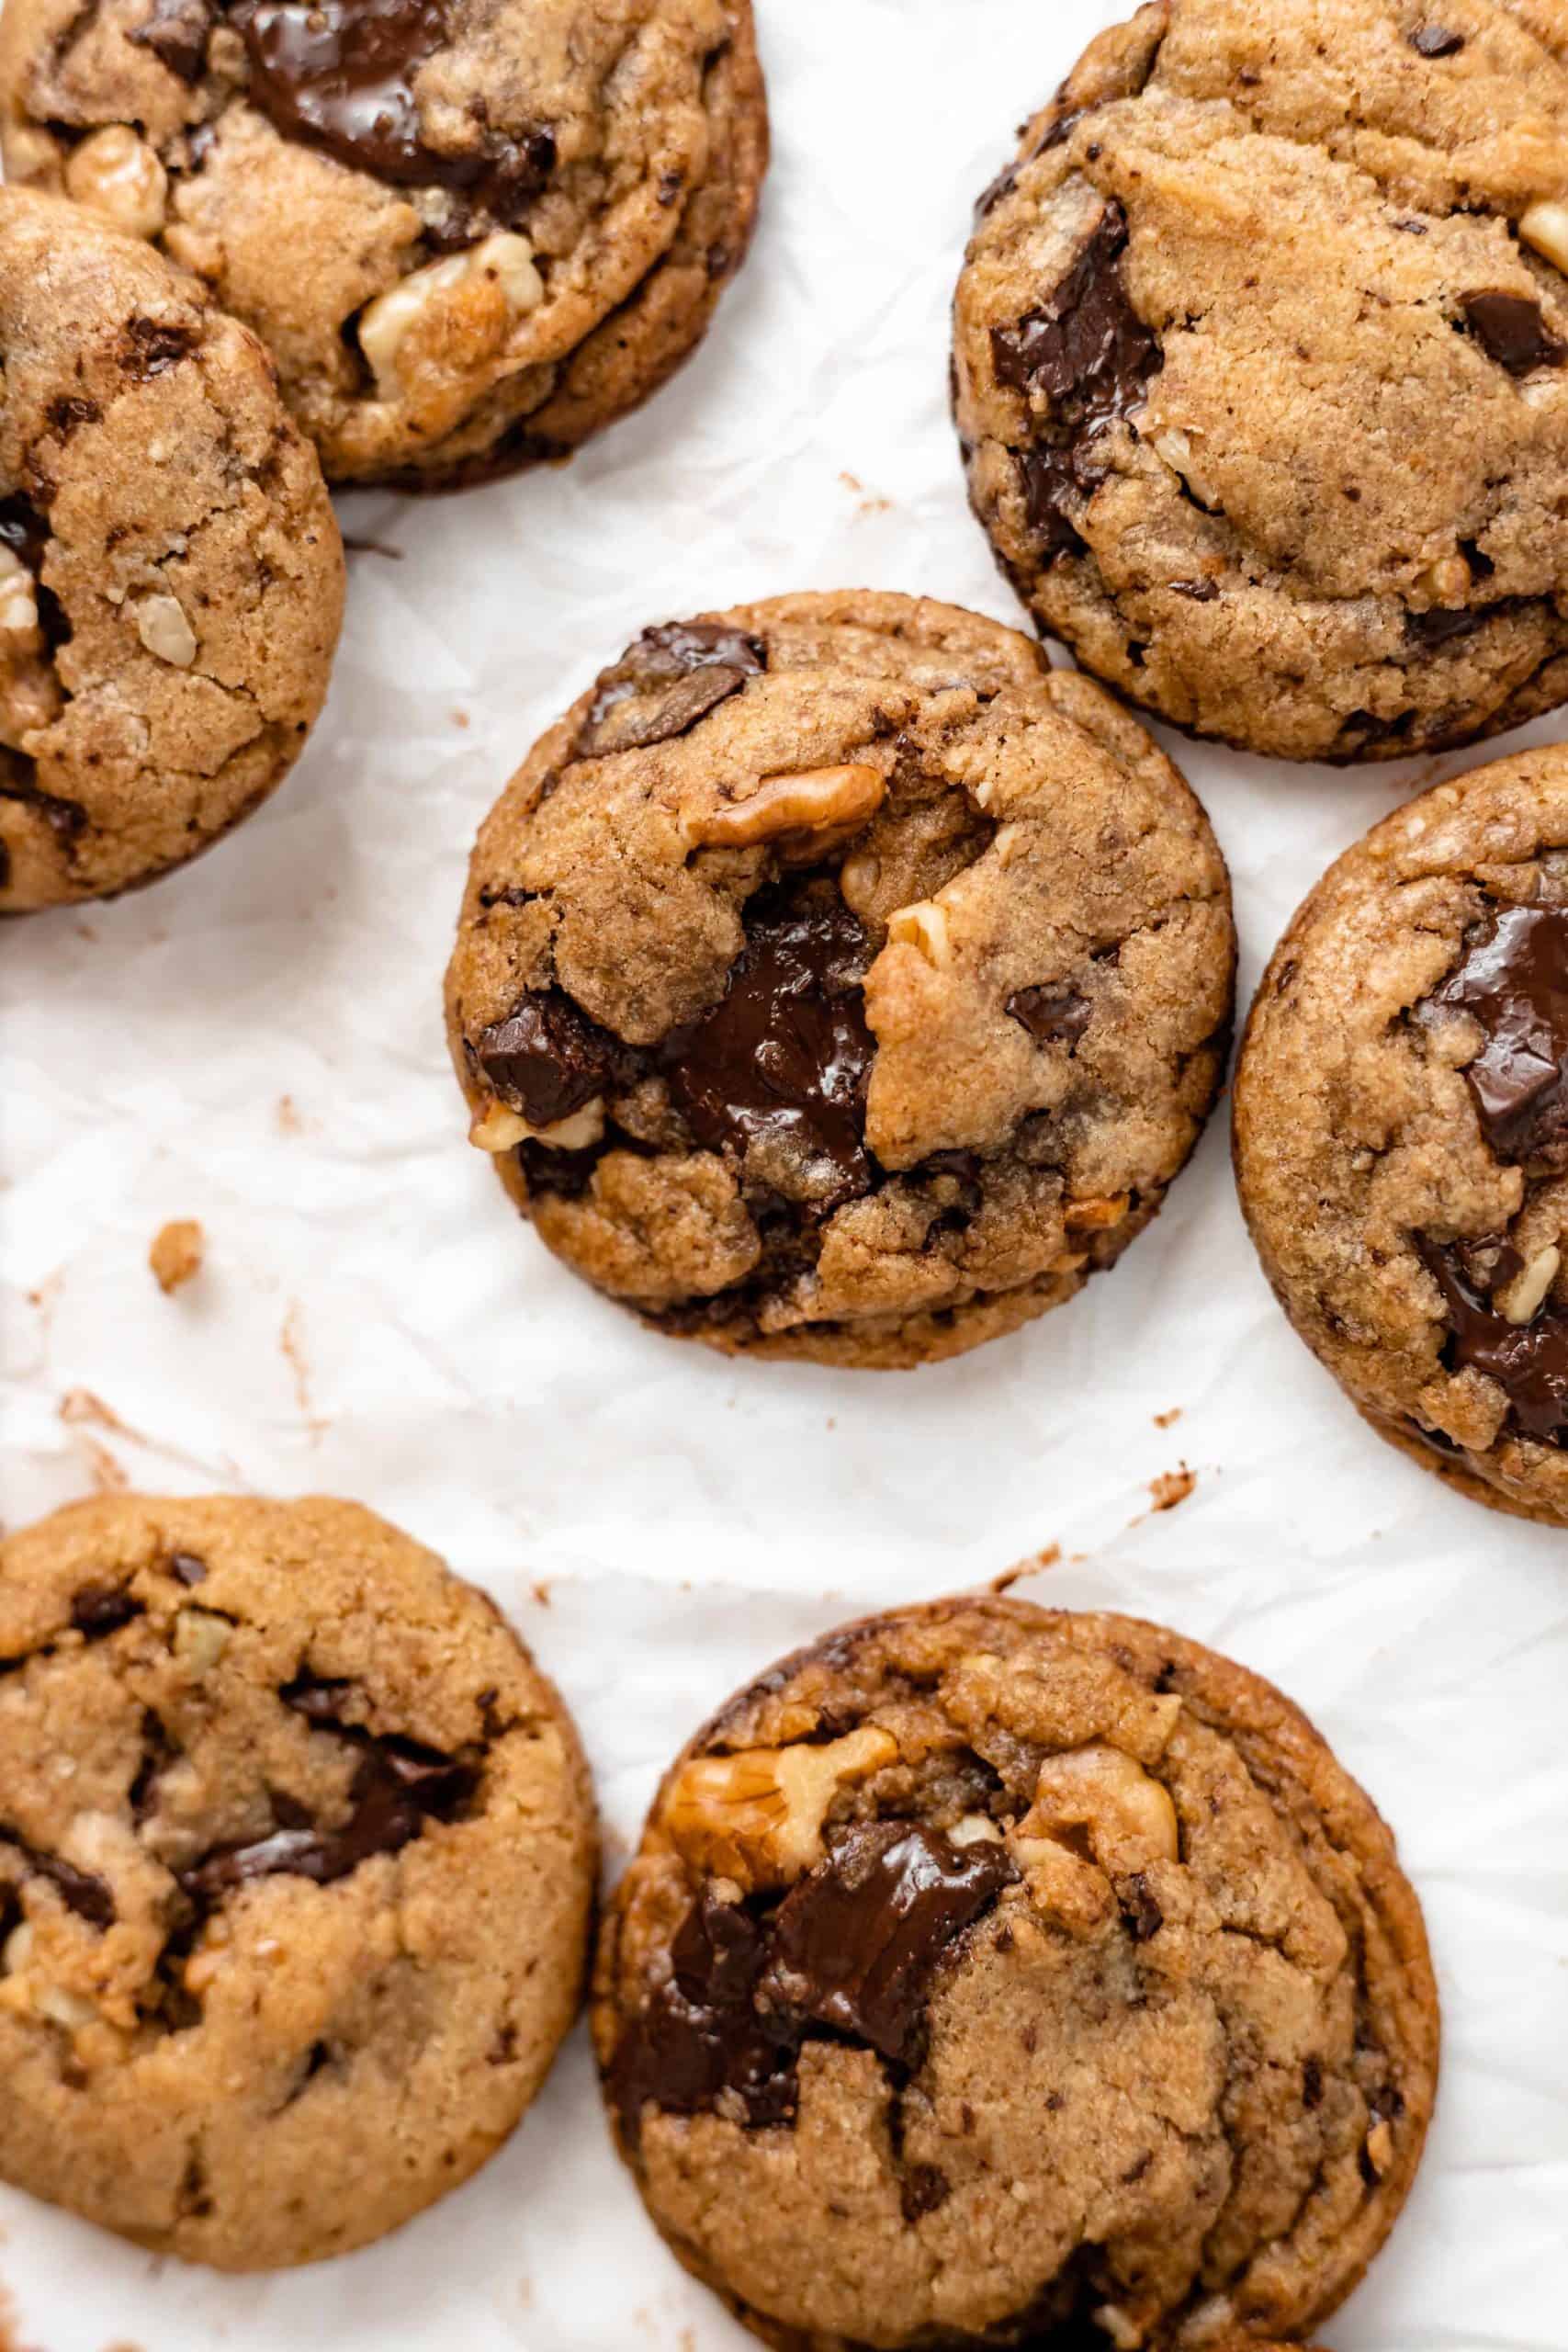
[
  {"x": 1125, "y": 1815},
  {"x": 757, "y": 1817}
]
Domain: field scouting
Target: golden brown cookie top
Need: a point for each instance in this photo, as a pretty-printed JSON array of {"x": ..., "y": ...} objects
[
  {"x": 297, "y": 1854},
  {"x": 429, "y": 209},
  {"x": 171, "y": 575},
  {"x": 1262, "y": 368},
  {"x": 835, "y": 978},
  {"x": 985, "y": 1968},
  {"x": 1401, "y": 1128}
]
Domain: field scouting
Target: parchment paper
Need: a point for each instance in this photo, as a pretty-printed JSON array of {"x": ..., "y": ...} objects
[{"x": 257, "y": 1043}]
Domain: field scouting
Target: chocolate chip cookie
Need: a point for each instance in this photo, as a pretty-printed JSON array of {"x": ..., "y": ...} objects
[
  {"x": 297, "y": 1854},
  {"x": 170, "y": 576},
  {"x": 1401, "y": 1129},
  {"x": 471, "y": 232},
  {"x": 995, "y": 1975},
  {"x": 836, "y": 980},
  {"x": 1261, "y": 368}
]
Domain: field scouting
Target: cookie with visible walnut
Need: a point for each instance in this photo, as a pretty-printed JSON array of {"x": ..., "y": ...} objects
[
  {"x": 992, "y": 1974},
  {"x": 1261, "y": 368},
  {"x": 296, "y": 1857},
  {"x": 171, "y": 575},
  {"x": 836, "y": 980},
  {"x": 471, "y": 232}
]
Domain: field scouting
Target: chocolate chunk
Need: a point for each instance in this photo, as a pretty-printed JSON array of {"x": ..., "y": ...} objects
[
  {"x": 100, "y": 1610},
  {"x": 70, "y": 411},
  {"x": 66, "y": 820},
  {"x": 1312, "y": 2084},
  {"x": 784, "y": 1057},
  {"x": 854, "y": 1945},
  {"x": 339, "y": 74},
  {"x": 1199, "y": 591},
  {"x": 79, "y": 1890},
  {"x": 701, "y": 2034},
  {"x": 673, "y": 675},
  {"x": 187, "y": 1569},
  {"x": 547, "y": 1058},
  {"x": 1442, "y": 625},
  {"x": 1140, "y": 1908},
  {"x": 1435, "y": 41},
  {"x": 1513, "y": 981},
  {"x": 398, "y": 1786},
  {"x": 1511, "y": 329},
  {"x": 922, "y": 2189},
  {"x": 1089, "y": 352},
  {"x": 1530, "y": 1361},
  {"x": 153, "y": 346},
  {"x": 177, "y": 33},
  {"x": 24, "y": 530},
  {"x": 1052, "y": 1015}
]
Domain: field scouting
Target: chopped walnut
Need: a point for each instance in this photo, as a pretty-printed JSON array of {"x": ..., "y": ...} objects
[
  {"x": 817, "y": 804},
  {"x": 505, "y": 262},
  {"x": 757, "y": 1817},
  {"x": 497, "y": 1128},
  {"x": 923, "y": 926},
  {"x": 1545, "y": 226},
  {"x": 30, "y": 695},
  {"x": 161, "y": 626},
  {"x": 1127, "y": 1816},
  {"x": 117, "y": 174}
]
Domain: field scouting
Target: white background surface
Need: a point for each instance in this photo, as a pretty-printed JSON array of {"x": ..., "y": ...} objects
[{"x": 257, "y": 1042}]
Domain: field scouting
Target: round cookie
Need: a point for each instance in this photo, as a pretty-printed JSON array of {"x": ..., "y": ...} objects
[
  {"x": 171, "y": 575},
  {"x": 471, "y": 232},
  {"x": 297, "y": 1859},
  {"x": 1401, "y": 1130},
  {"x": 989, "y": 1974},
  {"x": 1261, "y": 368},
  {"x": 836, "y": 980}
]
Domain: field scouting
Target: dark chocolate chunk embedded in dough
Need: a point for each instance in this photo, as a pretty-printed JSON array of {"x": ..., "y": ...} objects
[
  {"x": 547, "y": 1058},
  {"x": 1513, "y": 982},
  {"x": 1512, "y": 329},
  {"x": 675, "y": 675},
  {"x": 1528, "y": 1361}
]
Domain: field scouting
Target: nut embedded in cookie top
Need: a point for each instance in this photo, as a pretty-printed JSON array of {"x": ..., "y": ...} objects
[
  {"x": 296, "y": 1857},
  {"x": 470, "y": 234},
  {"x": 991, "y": 1975},
  {"x": 1401, "y": 1129},
  {"x": 171, "y": 575},
  {"x": 836, "y": 980},
  {"x": 1261, "y": 369}
]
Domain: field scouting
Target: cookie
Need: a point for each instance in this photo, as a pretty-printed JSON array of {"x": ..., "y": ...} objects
[
  {"x": 996, "y": 1976},
  {"x": 471, "y": 232},
  {"x": 297, "y": 1854},
  {"x": 170, "y": 576},
  {"x": 1261, "y": 368},
  {"x": 1401, "y": 1130},
  {"x": 836, "y": 980}
]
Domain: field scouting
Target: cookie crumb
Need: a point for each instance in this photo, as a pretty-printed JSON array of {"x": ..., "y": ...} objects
[
  {"x": 1167, "y": 1421},
  {"x": 178, "y": 1248},
  {"x": 1046, "y": 1557},
  {"x": 1172, "y": 1487},
  {"x": 289, "y": 1123},
  {"x": 541, "y": 1594}
]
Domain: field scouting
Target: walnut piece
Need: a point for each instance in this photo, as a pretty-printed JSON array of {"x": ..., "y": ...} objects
[
  {"x": 505, "y": 260},
  {"x": 498, "y": 1128},
  {"x": 757, "y": 1817},
  {"x": 1545, "y": 226},
  {"x": 117, "y": 174},
  {"x": 1126, "y": 1816},
  {"x": 161, "y": 626},
  {"x": 922, "y": 926},
  {"x": 1525, "y": 1293},
  {"x": 817, "y": 804}
]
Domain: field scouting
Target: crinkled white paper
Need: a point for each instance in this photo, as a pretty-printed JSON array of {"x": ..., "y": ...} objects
[{"x": 258, "y": 1043}]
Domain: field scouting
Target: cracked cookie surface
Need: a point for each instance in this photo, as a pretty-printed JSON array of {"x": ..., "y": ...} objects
[
  {"x": 990, "y": 1975},
  {"x": 1401, "y": 1129},
  {"x": 1261, "y": 368},
  {"x": 171, "y": 575},
  {"x": 297, "y": 1856},
  {"x": 836, "y": 980},
  {"x": 469, "y": 233}
]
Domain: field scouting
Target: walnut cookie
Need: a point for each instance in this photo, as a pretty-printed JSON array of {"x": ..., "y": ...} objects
[
  {"x": 1261, "y": 368},
  {"x": 171, "y": 575},
  {"x": 836, "y": 980},
  {"x": 1401, "y": 1130},
  {"x": 991, "y": 1975},
  {"x": 296, "y": 1861},
  {"x": 471, "y": 232}
]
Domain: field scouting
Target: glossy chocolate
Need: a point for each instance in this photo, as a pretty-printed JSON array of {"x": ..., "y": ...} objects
[
  {"x": 702, "y": 2033},
  {"x": 1052, "y": 1015},
  {"x": 340, "y": 75},
  {"x": 855, "y": 1943},
  {"x": 1089, "y": 354},
  {"x": 99, "y": 1610},
  {"x": 784, "y": 1057},
  {"x": 81, "y": 1892},
  {"x": 1435, "y": 41},
  {"x": 547, "y": 1058},
  {"x": 673, "y": 675},
  {"x": 1528, "y": 1361},
  {"x": 1513, "y": 981}
]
